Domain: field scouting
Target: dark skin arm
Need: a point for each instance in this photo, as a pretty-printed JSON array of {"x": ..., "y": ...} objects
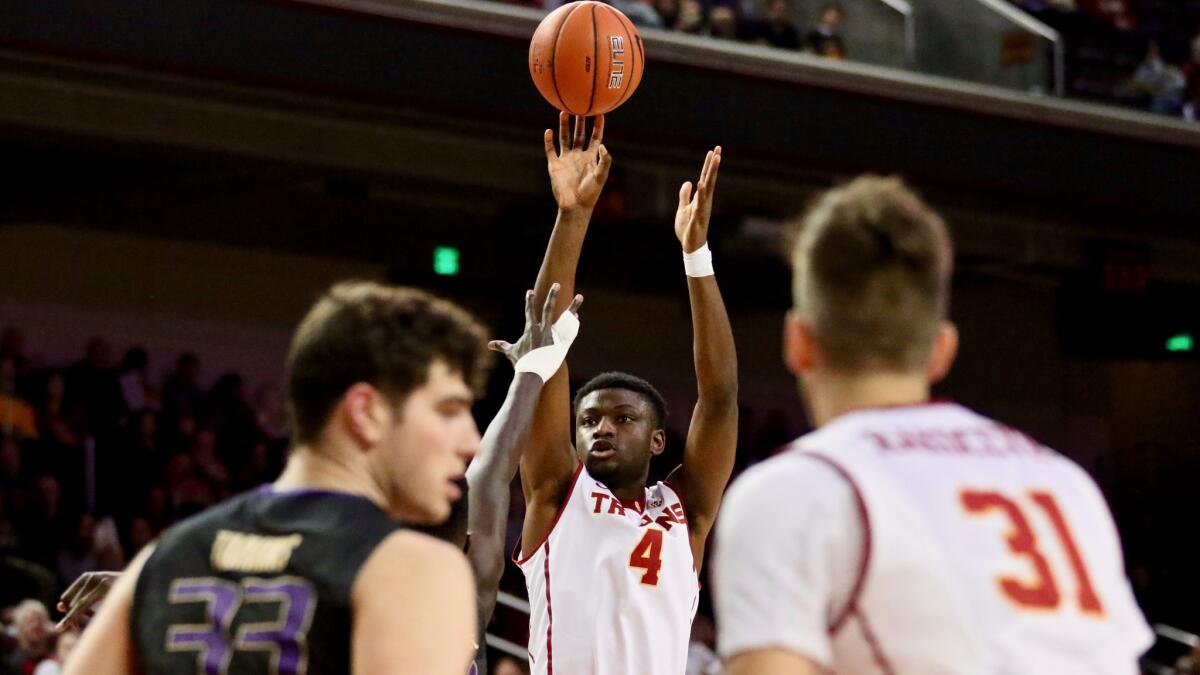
[
  {"x": 494, "y": 467},
  {"x": 711, "y": 446},
  {"x": 578, "y": 170}
]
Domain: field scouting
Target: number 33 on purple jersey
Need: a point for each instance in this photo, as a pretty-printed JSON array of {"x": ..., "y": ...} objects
[{"x": 285, "y": 638}]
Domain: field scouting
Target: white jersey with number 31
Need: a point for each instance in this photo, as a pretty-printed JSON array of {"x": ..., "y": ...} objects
[
  {"x": 613, "y": 588},
  {"x": 925, "y": 539}
]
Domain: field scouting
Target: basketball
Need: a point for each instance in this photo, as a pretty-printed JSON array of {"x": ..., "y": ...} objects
[{"x": 586, "y": 58}]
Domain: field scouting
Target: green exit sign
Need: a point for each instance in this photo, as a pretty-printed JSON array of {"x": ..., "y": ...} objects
[
  {"x": 445, "y": 261},
  {"x": 1181, "y": 343}
]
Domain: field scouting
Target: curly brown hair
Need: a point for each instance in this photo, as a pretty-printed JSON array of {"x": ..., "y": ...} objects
[{"x": 387, "y": 336}]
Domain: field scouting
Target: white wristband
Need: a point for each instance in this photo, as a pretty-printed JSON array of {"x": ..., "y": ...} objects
[
  {"x": 545, "y": 361},
  {"x": 698, "y": 263},
  {"x": 566, "y": 328}
]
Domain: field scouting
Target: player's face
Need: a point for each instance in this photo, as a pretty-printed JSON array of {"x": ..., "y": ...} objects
[
  {"x": 615, "y": 435},
  {"x": 427, "y": 448}
]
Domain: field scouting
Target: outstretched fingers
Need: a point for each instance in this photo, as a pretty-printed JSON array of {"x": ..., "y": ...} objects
[
  {"x": 685, "y": 194},
  {"x": 714, "y": 164},
  {"x": 580, "y": 132},
  {"x": 575, "y": 303},
  {"x": 548, "y": 306},
  {"x": 597, "y": 132},
  {"x": 564, "y": 132},
  {"x": 548, "y": 141},
  {"x": 500, "y": 346}
]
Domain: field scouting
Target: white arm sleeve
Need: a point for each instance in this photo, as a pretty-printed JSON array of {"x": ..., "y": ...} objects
[{"x": 788, "y": 546}]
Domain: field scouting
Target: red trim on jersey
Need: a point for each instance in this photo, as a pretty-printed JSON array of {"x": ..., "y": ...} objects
[
  {"x": 549, "y": 616},
  {"x": 670, "y": 482},
  {"x": 861, "y": 578},
  {"x": 516, "y": 554},
  {"x": 885, "y": 666}
]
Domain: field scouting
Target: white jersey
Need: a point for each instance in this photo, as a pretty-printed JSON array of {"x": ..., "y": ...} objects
[
  {"x": 925, "y": 539},
  {"x": 613, "y": 587}
]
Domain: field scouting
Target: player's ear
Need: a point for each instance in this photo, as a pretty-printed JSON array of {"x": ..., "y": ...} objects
[
  {"x": 945, "y": 348},
  {"x": 658, "y": 441},
  {"x": 799, "y": 344},
  {"x": 365, "y": 414}
]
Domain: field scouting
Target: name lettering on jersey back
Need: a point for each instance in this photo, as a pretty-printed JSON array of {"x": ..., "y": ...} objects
[
  {"x": 243, "y": 552},
  {"x": 606, "y": 504},
  {"x": 993, "y": 441}
]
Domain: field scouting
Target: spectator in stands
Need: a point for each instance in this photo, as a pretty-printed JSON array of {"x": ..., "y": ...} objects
[
  {"x": 231, "y": 419},
  {"x": 1191, "y": 73},
  {"x": 723, "y": 22},
  {"x": 668, "y": 12},
  {"x": 134, "y": 376},
  {"x": 640, "y": 13},
  {"x": 181, "y": 394},
  {"x": 55, "y": 430},
  {"x": 777, "y": 27},
  {"x": 826, "y": 38},
  {"x": 1157, "y": 83},
  {"x": 47, "y": 523},
  {"x": 691, "y": 17},
  {"x": 140, "y": 534},
  {"x": 1116, "y": 12},
  {"x": 205, "y": 461},
  {"x": 270, "y": 412},
  {"x": 16, "y": 415},
  {"x": 106, "y": 547},
  {"x": 79, "y": 555},
  {"x": 15, "y": 485},
  {"x": 34, "y": 637},
  {"x": 158, "y": 509},
  {"x": 92, "y": 389},
  {"x": 62, "y": 649}
]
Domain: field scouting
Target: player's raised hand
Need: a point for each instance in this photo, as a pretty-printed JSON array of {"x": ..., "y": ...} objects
[
  {"x": 579, "y": 167},
  {"x": 537, "y": 329},
  {"x": 691, "y": 219},
  {"x": 84, "y": 594}
]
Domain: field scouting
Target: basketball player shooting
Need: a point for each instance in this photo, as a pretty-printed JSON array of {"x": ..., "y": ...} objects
[
  {"x": 314, "y": 573},
  {"x": 611, "y": 564},
  {"x": 903, "y": 535}
]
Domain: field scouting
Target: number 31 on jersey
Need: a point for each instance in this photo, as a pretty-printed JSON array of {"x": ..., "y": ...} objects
[{"x": 1042, "y": 592}]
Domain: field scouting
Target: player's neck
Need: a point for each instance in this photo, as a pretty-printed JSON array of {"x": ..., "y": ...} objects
[
  {"x": 831, "y": 395},
  {"x": 311, "y": 469}
]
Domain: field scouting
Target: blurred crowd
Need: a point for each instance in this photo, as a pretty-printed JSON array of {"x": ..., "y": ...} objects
[
  {"x": 96, "y": 459},
  {"x": 1139, "y": 53},
  {"x": 28, "y": 643}
]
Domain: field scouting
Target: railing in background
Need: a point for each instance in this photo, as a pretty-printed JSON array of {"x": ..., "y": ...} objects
[
  {"x": 507, "y": 646},
  {"x": 989, "y": 42},
  {"x": 1172, "y": 643}
]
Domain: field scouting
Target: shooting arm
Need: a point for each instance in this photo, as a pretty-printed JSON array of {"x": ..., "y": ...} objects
[
  {"x": 711, "y": 445},
  {"x": 577, "y": 172},
  {"x": 712, "y": 439}
]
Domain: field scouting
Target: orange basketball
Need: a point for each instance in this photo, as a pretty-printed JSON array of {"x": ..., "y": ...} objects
[{"x": 586, "y": 58}]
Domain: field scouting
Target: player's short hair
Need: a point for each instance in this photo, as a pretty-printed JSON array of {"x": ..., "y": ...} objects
[
  {"x": 871, "y": 272},
  {"x": 386, "y": 336},
  {"x": 617, "y": 380}
]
